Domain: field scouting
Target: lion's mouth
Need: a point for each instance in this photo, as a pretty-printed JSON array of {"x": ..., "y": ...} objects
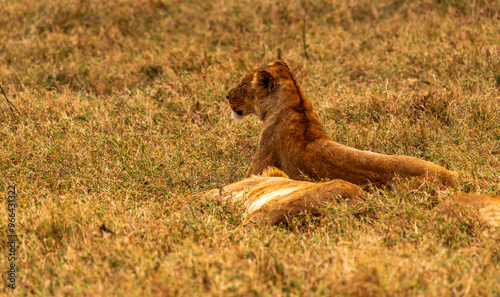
[{"x": 237, "y": 115}]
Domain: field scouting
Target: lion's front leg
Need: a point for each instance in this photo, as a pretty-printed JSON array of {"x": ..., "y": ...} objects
[{"x": 261, "y": 161}]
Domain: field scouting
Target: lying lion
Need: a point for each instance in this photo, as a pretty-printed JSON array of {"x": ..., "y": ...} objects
[
  {"x": 272, "y": 198},
  {"x": 293, "y": 138}
]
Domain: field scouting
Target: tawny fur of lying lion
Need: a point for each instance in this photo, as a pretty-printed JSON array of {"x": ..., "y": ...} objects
[
  {"x": 293, "y": 138},
  {"x": 272, "y": 197},
  {"x": 485, "y": 208}
]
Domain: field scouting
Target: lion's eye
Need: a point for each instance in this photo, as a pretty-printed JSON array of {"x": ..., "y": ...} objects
[{"x": 242, "y": 85}]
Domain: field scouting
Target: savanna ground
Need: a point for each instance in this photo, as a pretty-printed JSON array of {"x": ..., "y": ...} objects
[{"x": 122, "y": 120}]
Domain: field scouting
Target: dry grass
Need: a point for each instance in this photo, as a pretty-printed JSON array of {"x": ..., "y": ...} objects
[{"x": 123, "y": 118}]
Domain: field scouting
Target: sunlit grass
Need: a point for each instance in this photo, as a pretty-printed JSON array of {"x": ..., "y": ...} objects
[{"x": 123, "y": 122}]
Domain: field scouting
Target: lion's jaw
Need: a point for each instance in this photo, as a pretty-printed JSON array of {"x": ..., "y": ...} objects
[
  {"x": 255, "y": 108},
  {"x": 236, "y": 117},
  {"x": 241, "y": 113}
]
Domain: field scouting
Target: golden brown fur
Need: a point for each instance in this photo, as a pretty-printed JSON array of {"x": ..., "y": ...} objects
[
  {"x": 272, "y": 197},
  {"x": 293, "y": 138},
  {"x": 485, "y": 208}
]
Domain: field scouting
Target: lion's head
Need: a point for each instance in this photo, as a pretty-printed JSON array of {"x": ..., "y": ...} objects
[{"x": 260, "y": 91}]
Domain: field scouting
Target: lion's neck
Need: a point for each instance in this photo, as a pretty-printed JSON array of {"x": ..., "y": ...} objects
[{"x": 294, "y": 120}]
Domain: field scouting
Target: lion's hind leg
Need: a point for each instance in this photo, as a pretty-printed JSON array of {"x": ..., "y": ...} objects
[{"x": 483, "y": 207}]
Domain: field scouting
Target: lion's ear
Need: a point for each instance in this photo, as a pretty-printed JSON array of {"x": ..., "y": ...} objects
[
  {"x": 280, "y": 62},
  {"x": 263, "y": 82}
]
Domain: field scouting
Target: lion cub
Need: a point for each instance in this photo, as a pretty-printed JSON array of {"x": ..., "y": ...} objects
[
  {"x": 293, "y": 138},
  {"x": 294, "y": 141}
]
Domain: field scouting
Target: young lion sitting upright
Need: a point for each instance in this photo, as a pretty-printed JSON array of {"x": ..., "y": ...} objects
[{"x": 293, "y": 138}]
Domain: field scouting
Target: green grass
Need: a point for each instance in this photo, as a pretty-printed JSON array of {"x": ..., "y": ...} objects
[{"x": 123, "y": 121}]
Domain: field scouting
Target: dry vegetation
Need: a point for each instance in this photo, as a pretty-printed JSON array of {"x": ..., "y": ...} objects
[{"x": 123, "y": 119}]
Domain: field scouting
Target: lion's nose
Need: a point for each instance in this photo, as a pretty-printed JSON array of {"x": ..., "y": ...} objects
[
  {"x": 239, "y": 112},
  {"x": 227, "y": 96}
]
